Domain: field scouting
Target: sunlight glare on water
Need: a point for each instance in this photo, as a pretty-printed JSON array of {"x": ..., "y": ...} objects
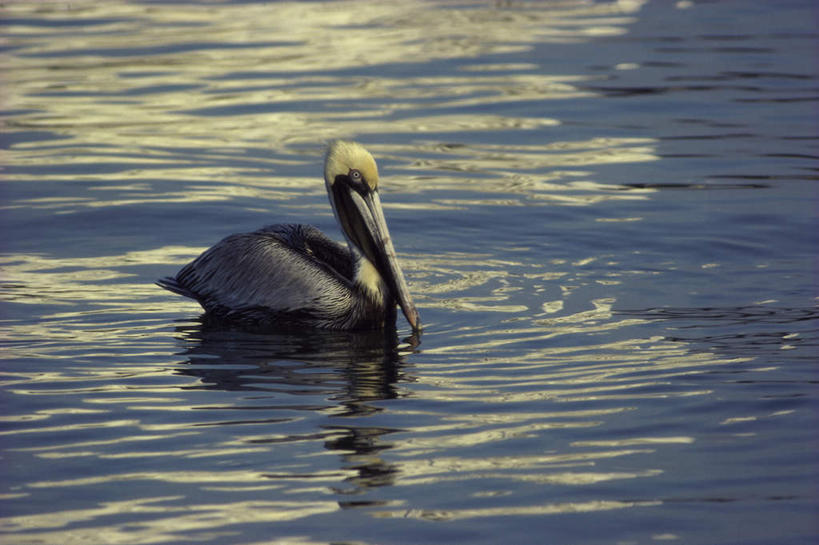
[{"x": 606, "y": 213}]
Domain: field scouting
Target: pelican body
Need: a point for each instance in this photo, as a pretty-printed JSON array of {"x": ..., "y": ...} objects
[{"x": 292, "y": 275}]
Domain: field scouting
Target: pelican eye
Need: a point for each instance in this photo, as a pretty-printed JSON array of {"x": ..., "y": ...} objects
[{"x": 357, "y": 181}]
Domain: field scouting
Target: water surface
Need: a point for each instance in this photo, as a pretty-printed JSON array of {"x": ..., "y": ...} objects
[{"x": 606, "y": 213}]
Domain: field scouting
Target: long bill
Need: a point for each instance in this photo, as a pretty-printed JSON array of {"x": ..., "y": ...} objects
[{"x": 362, "y": 219}]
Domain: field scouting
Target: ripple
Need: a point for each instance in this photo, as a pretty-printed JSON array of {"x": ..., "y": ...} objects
[{"x": 612, "y": 347}]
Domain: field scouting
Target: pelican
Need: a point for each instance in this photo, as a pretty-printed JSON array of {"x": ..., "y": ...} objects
[{"x": 292, "y": 275}]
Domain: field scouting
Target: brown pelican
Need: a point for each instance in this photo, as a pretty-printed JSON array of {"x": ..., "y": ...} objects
[{"x": 289, "y": 275}]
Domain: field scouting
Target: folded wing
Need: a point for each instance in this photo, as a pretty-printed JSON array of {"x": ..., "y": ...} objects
[{"x": 278, "y": 272}]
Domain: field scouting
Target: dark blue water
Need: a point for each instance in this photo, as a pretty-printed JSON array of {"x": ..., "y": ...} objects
[{"x": 606, "y": 213}]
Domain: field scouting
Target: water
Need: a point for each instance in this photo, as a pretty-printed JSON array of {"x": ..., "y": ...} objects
[{"x": 606, "y": 213}]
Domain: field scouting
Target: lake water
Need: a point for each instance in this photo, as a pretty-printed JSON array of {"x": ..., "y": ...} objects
[{"x": 606, "y": 212}]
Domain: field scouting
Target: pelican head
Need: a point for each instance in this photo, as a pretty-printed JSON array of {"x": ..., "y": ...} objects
[{"x": 351, "y": 176}]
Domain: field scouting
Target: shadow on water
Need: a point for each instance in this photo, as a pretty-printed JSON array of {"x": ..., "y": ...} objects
[{"x": 351, "y": 370}]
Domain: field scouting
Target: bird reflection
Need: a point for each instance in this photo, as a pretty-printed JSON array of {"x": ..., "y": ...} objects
[
  {"x": 340, "y": 373},
  {"x": 362, "y": 447}
]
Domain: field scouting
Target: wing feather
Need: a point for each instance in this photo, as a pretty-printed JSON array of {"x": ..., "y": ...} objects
[{"x": 278, "y": 270}]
